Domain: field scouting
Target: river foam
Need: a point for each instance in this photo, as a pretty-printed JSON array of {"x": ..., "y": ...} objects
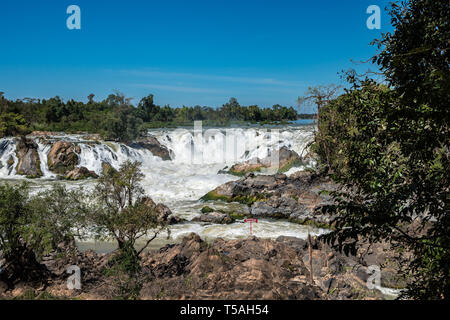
[{"x": 197, "y": 157}]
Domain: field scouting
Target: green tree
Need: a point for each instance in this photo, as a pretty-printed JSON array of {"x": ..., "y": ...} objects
[
  {"x": 30, "y": 227},
  {"x": 122, "y": 125},
  {"x": 320, "y": 96},
  {"x": 12, "y": 124},
  {"x": 146, "y": 109},
  {"x": 395, "y": 150},
  {"x": 121, "y": 212}
]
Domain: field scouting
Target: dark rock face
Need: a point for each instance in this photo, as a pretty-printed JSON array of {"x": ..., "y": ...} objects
[
  {"x": 239, "y": 269},
  {"x": 296, "y": 198},
  {"x": 250, "y": 268},
  {"x": 164, "y": 213},
  {"x": 214, "y": 217},
  {"x": 286, "y": 160},
  {"x": 152, "y": 144},
  {"x": 345, "y": 277},
  {"x": 63, "y": 157},
  {"x": 80, "y": 173},
  {"x": 29, "y": 164}
]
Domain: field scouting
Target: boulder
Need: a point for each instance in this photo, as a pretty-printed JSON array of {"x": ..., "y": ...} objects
[
  {"x": 10, "y": 162},
  {"x": 228, "y": 269},
  {"x": 214, "y": 217},
  {"x": 163, "y": 212},
  {"x": 80, "y": 173},
  {"x": 93, "y": 137},
  {"x": 148, "y": 202},
  {"x": 107, "y": 167},
  {"x": 29, "y": 163},
  {"x": 286, "y": 160},
  {"x": 241, "y": 269},
  {"x": 252, "y": 165},
  {"x": 63, "y": 157},
  {"x": 297, "y": 198},
  {"x": 153, "y": 145}
]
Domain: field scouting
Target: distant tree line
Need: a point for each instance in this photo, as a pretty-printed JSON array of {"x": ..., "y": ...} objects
[{"x": 117, "y": 119}]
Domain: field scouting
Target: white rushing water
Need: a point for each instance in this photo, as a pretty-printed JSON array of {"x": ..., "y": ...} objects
[{"x": 197, "y": 157}]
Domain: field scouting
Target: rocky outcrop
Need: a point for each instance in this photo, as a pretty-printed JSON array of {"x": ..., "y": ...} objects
[
  {"x": 240, "y": 269},
  {"x": 152, "y": 144},
  {"x": 107, "y": 167},
  {"x": 296, "y": 198},
  {"x": 286, "y": 160},
  {"x": 63, "y": 157},
  {"x": 164, "y": 213},
  {"x": 93, "y": 137},
  {"x": 345, "y": 277},
  {"x": 28, "y": 158},
  {"x": 235, "y": 269},
  {"x": 81, "y": 173},
  {"x": 214, "y": 217}
]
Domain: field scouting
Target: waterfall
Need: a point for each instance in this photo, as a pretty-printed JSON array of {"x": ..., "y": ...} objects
[
  {"x": 196, "y": 156},
  {"x": 205, "y": 152},
  {"x": 7, "y": 152},
  {"x": 179, "y": 183}
]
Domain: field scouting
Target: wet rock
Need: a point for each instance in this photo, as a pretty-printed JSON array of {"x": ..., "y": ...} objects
[
  {"x": 214, "y": 217},
  {"x": 9, "y": 164},
  {"x": 149, "y": 202},
  {"x": 240, "y": 269},
  {"x": 107, "y": 167},
  {"x": 28, "y": 158},
  {"x": 163, "y": 212},
  {"x": 93, "y": 137},
  {"x": 81, "y": 173},
  {"x": 296, "y": 198},
  {"x": 234, "y": 269},
  {"x": 165, "y": 215},
  {"x": 63, "y": 157},
  {"x": 153, "y": 145},
  {"x": 241, "y": 169},
  {"x": 286, "y": 160}
]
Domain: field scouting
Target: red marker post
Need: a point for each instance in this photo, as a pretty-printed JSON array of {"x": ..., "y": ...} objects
[{"x": 251, "y": 220}]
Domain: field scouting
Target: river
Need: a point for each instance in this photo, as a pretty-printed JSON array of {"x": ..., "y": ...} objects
[{"x": 198, "y": 154}]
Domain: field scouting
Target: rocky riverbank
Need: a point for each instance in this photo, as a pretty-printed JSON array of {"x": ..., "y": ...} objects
[
  {"x": 250, "y": 268},
  {"x": 297, "y": 198},
  {"x": 64, "y": 156}
]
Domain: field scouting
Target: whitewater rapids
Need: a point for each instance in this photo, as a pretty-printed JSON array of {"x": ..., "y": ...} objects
[{"x": 197, "y": 157}]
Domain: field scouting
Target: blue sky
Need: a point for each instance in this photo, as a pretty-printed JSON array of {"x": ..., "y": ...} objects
[{"x": 184, "y": 52}]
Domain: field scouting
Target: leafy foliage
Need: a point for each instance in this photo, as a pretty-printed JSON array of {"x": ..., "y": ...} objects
[
  {"x": 389, "y": 147},
  {"x": 120, "y": 211},
  {"x": 12, "y": 124},
  {"x": 117, "y": 119},
  {"x": 31, "y": 227}
]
